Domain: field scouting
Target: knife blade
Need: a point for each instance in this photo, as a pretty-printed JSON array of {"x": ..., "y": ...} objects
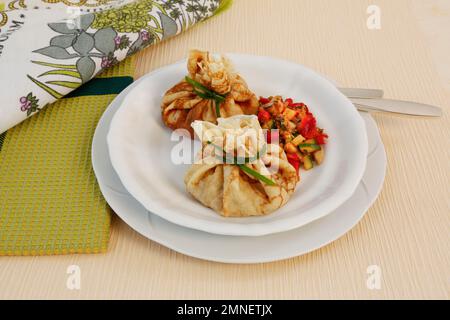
[{"x": 397, "y": 106}]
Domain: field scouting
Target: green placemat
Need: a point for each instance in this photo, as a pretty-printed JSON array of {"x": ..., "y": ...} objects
[{"x": 50, "y": 202}]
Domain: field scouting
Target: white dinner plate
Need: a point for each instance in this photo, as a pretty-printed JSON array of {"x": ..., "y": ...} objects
[
  {"x": 232, "y": 249},
  {"x": 140, "y": 149}
]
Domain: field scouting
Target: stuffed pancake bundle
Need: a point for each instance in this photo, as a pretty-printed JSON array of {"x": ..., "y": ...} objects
[
  {"x": 237, "y": 173},
  {"x": 211, "y": 90}
]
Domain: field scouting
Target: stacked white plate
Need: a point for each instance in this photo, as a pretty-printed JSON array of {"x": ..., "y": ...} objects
[{"x": 133, "y": 159}]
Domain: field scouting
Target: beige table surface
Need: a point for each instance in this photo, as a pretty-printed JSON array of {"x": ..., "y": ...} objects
[{"x": 405, "y": 233}]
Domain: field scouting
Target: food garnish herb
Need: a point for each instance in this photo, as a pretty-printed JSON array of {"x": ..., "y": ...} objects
[
  {"x": 241, "y": 161},
  {"x": 205, "y": 93}
]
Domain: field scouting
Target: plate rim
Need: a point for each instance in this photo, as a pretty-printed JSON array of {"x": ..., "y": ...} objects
[{"x": 255, "y": 228}]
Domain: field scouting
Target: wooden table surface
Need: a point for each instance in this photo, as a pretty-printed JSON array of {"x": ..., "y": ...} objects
[{"x": 405, "y": 233}]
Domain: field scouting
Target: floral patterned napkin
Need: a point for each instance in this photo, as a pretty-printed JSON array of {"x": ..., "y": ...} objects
[{"x": 48, "y": 48}]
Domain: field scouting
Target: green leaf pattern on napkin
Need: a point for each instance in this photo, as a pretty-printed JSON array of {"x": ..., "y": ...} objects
[{"x": 101, "y": 39}]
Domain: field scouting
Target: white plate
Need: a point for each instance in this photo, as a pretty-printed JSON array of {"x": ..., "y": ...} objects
[
  {"x": 140, "y": 149},
  {"x": 230, "y": 249}
]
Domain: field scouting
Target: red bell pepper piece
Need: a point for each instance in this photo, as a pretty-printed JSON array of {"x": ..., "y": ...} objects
[
  {"x": 321, "y": 138},
  {"x": 294, "y": 160},
  {"x": 297, "y": 105},
  {"x": 307, "y": 127},
  {"x": 263, "y": 115},
  {"x": 263, "y": 100}
]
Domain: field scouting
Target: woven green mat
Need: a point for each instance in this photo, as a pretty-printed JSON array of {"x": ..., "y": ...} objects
[{"x": 50, "y": 202}]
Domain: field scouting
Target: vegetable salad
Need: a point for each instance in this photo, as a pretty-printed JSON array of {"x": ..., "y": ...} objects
[{"x": 295, "y": 128}]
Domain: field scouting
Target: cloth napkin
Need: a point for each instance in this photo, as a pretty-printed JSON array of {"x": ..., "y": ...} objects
[
  {"x": 50, "y": 202},
  {"x": 48, "y": 48}
]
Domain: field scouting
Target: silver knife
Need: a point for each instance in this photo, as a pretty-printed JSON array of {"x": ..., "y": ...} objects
[
  {"x": 397, "y": 106},
  {"x": 362, "y": 93}
]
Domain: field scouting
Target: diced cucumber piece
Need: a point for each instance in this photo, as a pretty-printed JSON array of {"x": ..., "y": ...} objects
[
  {"x": 307, "y": 162},
  {"x": 308, "y": 147},
  {"x": 319, "y": 155}
]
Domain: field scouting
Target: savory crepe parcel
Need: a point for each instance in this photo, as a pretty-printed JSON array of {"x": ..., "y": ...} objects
[
  {"x": 211, "y": 90},
  {"x": 237, "y": 173}
]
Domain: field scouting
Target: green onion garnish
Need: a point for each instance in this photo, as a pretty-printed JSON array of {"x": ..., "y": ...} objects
[
  {"x": 217, "y": 104},
  {"x": 256, "y": 174},
  {"x": 205, "y": 93},
  {"x": 240, "y": 162}
]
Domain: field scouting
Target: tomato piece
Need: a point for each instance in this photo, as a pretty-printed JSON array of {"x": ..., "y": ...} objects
[
  {"x": 321, "y": 138},
  {"x": 313, "y": 133},
  {"x": 296, "y": 166},
  {"x": 263, "y": 100},
  {"x": 294, "y": 160},
  {"x": 307, "y": 127},
  {"x": 263, "y": 116},
  {"x": 293, "y": 157},
  {"x": 289, "y": 101}
]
